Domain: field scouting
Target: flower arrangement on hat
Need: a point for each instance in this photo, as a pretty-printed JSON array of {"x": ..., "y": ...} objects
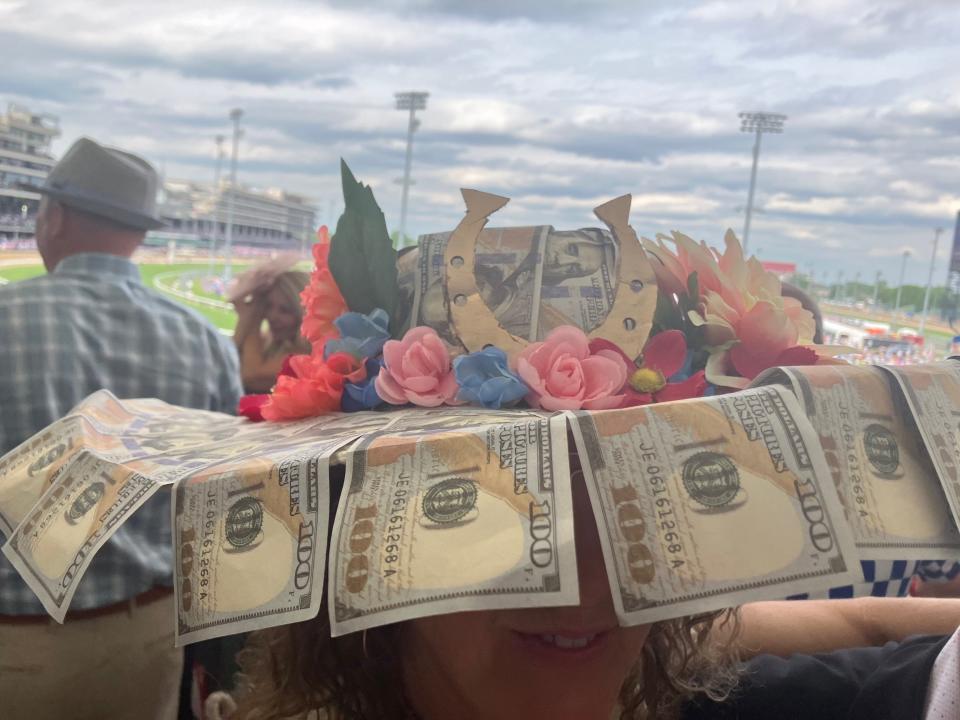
[{"x": 720, "y": 320}]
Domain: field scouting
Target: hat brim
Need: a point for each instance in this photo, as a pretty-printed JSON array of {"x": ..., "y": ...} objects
[{"x": 124, "y": 216}]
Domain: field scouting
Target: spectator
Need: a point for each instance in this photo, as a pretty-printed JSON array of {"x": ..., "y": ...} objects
[
  {"x": 271, "y": 292},
  {"x": 91, "y": 324}
]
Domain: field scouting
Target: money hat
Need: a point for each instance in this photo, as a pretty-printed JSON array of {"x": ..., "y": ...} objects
[
  {"x": 422, "y": 458},
  {"x": 583, "y": 319}
]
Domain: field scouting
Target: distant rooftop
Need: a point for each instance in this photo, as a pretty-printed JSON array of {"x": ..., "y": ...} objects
[
  {"x": 25, "y": 161},
  {"x": 22, "y": 117}
]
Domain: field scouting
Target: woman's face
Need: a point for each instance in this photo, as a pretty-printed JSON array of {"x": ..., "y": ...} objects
[
  {"x": 552, "y": 663},
  {"x": 284, "y": 320}
]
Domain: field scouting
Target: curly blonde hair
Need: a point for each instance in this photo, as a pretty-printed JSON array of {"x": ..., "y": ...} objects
[{"x": 295, "y": 670}]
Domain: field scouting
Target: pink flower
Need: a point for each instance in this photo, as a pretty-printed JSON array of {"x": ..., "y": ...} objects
[
  {"x": 747, "y": 323},
  {"x": 749, "y": 365},
  {"x": 417, "y": 370},
  {"x": 763, "y": 337},
  {"x": 673, "y": 269},
  {"x": 563, "y": 374}
]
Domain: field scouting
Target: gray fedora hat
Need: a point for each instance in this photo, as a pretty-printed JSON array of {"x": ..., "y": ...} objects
[{"x": 107, "y": 182}]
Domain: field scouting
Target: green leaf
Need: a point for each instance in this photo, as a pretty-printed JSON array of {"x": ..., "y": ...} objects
[
  {"x": 667, "y": 315},
  {"x": 362, "y": 258},
  {"x": 689, "y": 302},
  {"x": 693, "y": 287}
]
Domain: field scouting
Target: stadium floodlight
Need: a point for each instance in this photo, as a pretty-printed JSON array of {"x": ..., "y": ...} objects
[
  {"x": 758, "y": 123},
  {"x": 926, "y": 293},
  {"x": 215, "y": 209},
  {"x": 235, "y": 115},
  {"x": 410, "y": 101},
  {"x": 903, "y": 270}
]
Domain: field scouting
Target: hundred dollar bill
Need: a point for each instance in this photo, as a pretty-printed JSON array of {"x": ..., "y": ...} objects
[
  {"x": 56, "y": 541},
  {"x": 533, "y": 279},
  {"x": 446, "y": 521},
  {"x": 416, "y": 421},
  {"x": 708, "y": 503},
  {"x": 28, "y": 469},
  {"x": 116, "y": 431},
  {"x": 406, "y": 282},
  {"x": 508, "y": 264},
  {"x": 53, "y": 556},
  {"x": 933, "y": 394},
  {"x": 265, "y": 517},
  {"x": 890, "y": 492}
]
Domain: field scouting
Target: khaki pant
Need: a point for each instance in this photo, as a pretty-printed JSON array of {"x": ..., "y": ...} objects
[{"x": 121, "y": 666}]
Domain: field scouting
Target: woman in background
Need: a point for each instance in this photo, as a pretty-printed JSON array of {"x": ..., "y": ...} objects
[{"x": 271, "y": 293}]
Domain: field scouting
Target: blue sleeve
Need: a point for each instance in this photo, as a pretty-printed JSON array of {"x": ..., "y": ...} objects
[{"x": 230, "y": 386}]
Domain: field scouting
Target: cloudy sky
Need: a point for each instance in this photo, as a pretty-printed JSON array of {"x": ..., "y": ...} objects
[{"x": 558, "y": 104}]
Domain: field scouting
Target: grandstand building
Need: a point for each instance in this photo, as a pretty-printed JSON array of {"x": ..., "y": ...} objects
[
  {"x": 196, "y": 215},
  {"x": 25, "y": 161}
]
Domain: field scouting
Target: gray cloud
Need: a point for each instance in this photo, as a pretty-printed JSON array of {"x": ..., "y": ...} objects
[
  {"x": 550, "y": 11},
  {"x": 557, "y": 105}
]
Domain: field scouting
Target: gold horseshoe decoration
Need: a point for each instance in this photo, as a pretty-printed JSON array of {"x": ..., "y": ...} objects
[
  {"x": 628, "y": 322},
  {"x": 473, "y": 321},
  {"x": 630, "y": 318}
]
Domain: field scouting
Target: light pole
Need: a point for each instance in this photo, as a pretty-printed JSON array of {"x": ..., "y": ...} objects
[
  {"x": 411, "y": 101},
  {"x": 903, "y": 267},
  {"x": 876, "y": 289},
  {"x": 216, "y": 202},
  {"x": 926, "y": 294},
  {"x": 235, "y": 115},
  {"x": 759, "y": 123}
]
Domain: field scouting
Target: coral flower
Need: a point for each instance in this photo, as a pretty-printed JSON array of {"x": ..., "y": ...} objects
[
  {"x": 315, "y": 388},
  {"x": 321, "y": 298}
]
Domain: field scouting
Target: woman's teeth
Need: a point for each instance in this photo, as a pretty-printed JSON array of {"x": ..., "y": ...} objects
[{"x": 568, "y": 643}]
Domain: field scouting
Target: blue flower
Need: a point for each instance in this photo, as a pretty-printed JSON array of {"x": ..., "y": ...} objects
[
  {"x": 361, "y": 335},
  {"x": 362, "y": 396},
  {"x": 485, "y": 379}
]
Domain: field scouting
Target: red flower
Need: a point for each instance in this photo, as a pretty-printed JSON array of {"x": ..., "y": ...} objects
[
  {"x": 251, "y": 407},
  {"x": 749, "y": 364},
  {"x": 285, "y": 368},
  {"x": 314, "y": 388},
  {"x": 663, "y": 356},
  {"x": 321, "y": 299}
]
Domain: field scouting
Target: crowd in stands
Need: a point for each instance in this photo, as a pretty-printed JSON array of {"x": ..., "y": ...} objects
[
  {"x": 903, "y": 355},
  {"x": 16, "y": 220}
]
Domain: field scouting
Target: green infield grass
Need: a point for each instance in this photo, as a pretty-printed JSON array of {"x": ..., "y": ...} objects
[
  {"x": 21, "y": 272},
  {"x": 183, "y": 277}
]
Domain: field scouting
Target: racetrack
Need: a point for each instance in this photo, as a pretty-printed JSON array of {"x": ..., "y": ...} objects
[{"x": 182, "y": 282}]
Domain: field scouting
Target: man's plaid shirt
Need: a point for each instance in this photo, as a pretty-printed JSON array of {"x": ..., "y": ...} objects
[{"x": 92, "y": 324}]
